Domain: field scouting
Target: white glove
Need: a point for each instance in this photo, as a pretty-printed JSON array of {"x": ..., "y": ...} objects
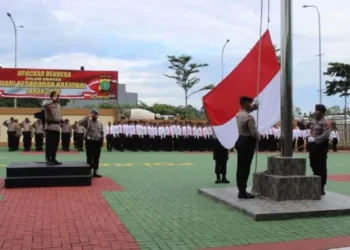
[
  {"x": 256, "y": 102},
  {"x": 310, "y": 139}
]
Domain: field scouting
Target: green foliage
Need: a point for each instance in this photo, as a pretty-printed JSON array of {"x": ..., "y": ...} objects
[
  {"x": 341, "y": 84},
  {"x": 183, "y": 74},
  {"x": 26, "y": 102}
]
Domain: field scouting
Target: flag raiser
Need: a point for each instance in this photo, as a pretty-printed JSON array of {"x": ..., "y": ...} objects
[{"x": 222, "y": 102}]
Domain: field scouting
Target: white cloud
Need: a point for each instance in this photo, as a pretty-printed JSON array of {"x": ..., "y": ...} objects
[{"x": 101, "y": 34}]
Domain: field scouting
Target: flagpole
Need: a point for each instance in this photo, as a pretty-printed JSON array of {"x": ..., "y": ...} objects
[{"x": 286, "y": 78}]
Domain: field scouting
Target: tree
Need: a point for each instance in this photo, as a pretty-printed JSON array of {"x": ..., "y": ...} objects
[
  {"x": 184, "y": 72},
  {"x": 27, "y": 102},
  {"x": 333, "y": 110},
  {"x": 340, "y": 85}
]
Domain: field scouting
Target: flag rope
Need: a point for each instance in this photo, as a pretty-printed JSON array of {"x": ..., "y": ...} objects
[{"x": 258, "y": 80}]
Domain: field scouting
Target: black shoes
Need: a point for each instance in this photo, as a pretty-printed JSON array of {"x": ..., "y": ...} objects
[
  {"x": 52, "y": 163},
  {"x": 245, "y": 196},
  {"x": 221, "y": 180}
]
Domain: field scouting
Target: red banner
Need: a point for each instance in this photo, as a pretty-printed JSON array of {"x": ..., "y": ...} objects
[{"x": 69, "y": 84}]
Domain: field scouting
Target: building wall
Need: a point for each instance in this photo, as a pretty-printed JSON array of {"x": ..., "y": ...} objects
[
  {"x": 106, "y": 115},
  {"x": 124, "y": 98}
]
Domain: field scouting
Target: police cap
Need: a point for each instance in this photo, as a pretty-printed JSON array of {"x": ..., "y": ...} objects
[
  {"x": 245, "y": 99},
  {"x": 52, "y": 94},
  {"x": 320, "y": 108},
  {"x": 94, "y": 112}
]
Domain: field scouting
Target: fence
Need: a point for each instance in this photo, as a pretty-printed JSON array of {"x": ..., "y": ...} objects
[{"x": 344, "y": 138}]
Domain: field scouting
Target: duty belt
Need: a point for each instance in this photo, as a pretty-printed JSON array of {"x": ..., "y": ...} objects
[{"x": 93, "y": 138}]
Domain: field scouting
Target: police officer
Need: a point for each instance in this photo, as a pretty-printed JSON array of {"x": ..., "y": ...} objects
[
  {"x": 318, "y": 145},
  {"x": 11, "y": 133},
  {"x": 94, "y": 140},
  {"x": 66, "y": 135},
  {"x": 220, "y": 156},
  {"x": 79, "y": 136},
  {"x": 27, "y": 134},
  {"x": 53, "y": 115},
  {"x": 246, "y": 144},
  {"x": 38, "y": 134}
]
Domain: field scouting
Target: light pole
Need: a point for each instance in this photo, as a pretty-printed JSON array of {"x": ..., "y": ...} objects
[
  {"x": 15, "y": 28},
  {"x": 319, "y": 49},
  {"x": 222, "y": 59}
]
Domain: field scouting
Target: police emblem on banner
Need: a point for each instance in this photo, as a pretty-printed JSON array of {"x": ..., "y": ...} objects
[{"x": 105, "y": 83}]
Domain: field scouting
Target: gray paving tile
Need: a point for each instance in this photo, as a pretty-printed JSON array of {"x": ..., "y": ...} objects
[{"x": 263, "y": 209}]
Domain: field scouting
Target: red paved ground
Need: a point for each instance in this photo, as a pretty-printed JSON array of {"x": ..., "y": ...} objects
[
  {"x": 62, "y": 218},
  {"x": 316, "y": 244},
  {"x": 58, "y": 152},
  {"x": 339, "y": 177}
]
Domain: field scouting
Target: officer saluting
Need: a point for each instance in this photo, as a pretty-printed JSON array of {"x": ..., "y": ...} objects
[
  {"x": 246, "y": 144},
  {"x": 318, "y": 145},
  {"x": 94, "y": 140},
  {"x": 53, "y": 119}
]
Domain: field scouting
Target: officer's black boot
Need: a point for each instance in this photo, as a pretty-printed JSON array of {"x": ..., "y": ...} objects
[
  {"x": 95, "y": 174},
  {"x": 54, "y": 161},
  {"x": 218, "y": 179},
  {"x": 322, "y": 191},
  {"x": 243, "y": 194},
  {"x": 224, "y": 180}
]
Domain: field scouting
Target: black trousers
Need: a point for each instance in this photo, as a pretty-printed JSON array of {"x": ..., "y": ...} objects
[
  {"x": 27, "y": 140},
  {"x": 121, "y": 142},
  {"x": 157, "y": 143},
  {"x": 51, "y": 144},
  {"x": 318, "y": 160},
  {"x": 134, "y": 143},
  {"x": 75, "y": 139},
  {"x": 11, "y": 140},
  {"x": 245, "y": 147},
  {"x": 80, "y": 141},
  {"x": 334, "y": 144},
  {"x": 39, "y": 141},
  {"x": 65, "y": 140},
  {"x": 300, "y": 144},
  {"x": 146, "y": 143},
  {"x": 93, "y": 153},
  {"x": 109, "y": 140},
  {"x": 221, "y": 166}
]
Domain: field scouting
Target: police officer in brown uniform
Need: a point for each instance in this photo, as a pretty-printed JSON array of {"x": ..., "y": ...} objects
[
  {"x": 245, "y": 145},
  {"x": 79, "y": 136},
  {"x": 11, "y": 133},
  {"x": 318, "y": 145},
  {"x": 94, "y": 140},
  {"x": 38, "y": 134},
  {"x": 53, "y": 118},
  {"x": 66, "y": 134},
  {"x": 27, "y": 134}
]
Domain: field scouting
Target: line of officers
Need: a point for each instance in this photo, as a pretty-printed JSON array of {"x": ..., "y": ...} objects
[
  {"x": 28, "y": 131},
  {"x": 146, "y": 136}
]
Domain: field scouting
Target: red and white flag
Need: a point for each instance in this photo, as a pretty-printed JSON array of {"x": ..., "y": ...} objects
[{"x": 222, "y": 102}]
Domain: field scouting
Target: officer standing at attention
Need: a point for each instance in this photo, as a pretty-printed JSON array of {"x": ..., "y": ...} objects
[
  {"x": 53, "y": 118},
  {"x": 94, "y": 140},
  {"x": 66, "y": 134},
  {"x": 246, "y": 144},
  {"x": 11, "y": 133},
  {"x": 38, "y": 134},
  {"x": 220, "y": 156},
  {"x": 318, "y": 145}
]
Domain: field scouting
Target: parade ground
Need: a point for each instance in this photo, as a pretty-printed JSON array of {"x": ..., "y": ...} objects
[{"x": 149, "y": 200}]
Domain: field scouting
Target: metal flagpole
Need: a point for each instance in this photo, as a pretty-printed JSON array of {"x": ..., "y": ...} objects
[{"x": 286, "y": 78}]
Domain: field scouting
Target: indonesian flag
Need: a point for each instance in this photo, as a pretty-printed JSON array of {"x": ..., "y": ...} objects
[{"x": 222, "y": 102}]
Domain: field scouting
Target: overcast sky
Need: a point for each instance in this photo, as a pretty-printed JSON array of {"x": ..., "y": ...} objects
[{"x": 134, "y": 37}]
